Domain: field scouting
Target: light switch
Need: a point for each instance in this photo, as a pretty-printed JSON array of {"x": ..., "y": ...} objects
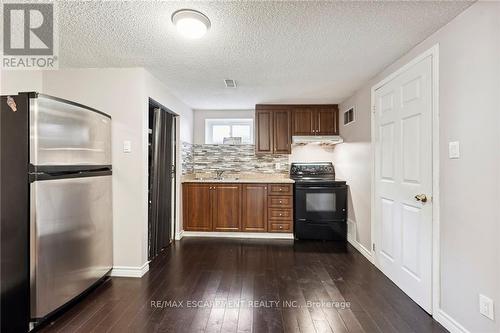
[
  {"x": 454, "y": 149},
  {"x": 486, "y": 307},
  {"x": 127, "y": 146},
  {"x": 277, "y": 166}
]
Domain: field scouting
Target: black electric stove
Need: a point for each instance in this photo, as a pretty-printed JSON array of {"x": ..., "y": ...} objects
[{"x": 320, "y": 209}]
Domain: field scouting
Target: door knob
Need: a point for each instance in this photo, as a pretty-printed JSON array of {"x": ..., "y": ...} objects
[{"x": 421, "y": 197}]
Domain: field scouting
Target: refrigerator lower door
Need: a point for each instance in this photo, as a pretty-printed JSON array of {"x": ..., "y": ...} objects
[
  {"x": 66, "y": 133},
  {"x": 71, "y": 239}
]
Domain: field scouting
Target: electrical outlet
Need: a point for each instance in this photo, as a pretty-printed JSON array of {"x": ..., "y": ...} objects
[{"x": 486, "y": 307}]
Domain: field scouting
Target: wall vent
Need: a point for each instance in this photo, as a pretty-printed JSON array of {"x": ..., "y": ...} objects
[
  {"x": 349, "y": 116},
  {"x": 230, "y": 83}
]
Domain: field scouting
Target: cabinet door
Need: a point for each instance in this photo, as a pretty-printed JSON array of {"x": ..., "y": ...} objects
[
  {"x": 254, "y": 210},
  {"x": 264, "y": 131},
  {"x": 226, "y": 207},
  {"x": 327, "y": 121},
  {"x": 303, "y": 121},
  {"x": 197, "y": 208},
  {"x": 282, "y": 135}
]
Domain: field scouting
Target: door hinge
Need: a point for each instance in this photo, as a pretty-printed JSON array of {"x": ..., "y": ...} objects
[
  {"x": 374, "y": 109},
  {"x": 373, "y": 247}
]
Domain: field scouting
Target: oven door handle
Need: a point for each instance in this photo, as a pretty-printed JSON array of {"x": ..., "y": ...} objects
[{"x": 316, "y": 187}]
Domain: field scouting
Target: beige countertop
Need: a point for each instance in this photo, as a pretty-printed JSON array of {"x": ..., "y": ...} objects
[{"x": 238, "y": 178}]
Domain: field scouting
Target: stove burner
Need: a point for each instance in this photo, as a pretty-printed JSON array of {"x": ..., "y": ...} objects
[{"x": 321, "y": 172}]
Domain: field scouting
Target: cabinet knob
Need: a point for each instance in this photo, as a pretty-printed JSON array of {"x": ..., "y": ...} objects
[
  {"x": 281, "y": 214},
  {"x": 281, "y": 227},
  {"x": 281, "y": 201}
]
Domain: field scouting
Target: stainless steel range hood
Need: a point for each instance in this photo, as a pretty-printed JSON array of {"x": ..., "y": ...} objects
[{"x": 326, "y": 139}]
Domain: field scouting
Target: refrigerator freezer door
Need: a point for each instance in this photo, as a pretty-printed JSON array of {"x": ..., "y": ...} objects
[
  {"x": 71, "y": 245},
  {"x": 63, "y": 133}
]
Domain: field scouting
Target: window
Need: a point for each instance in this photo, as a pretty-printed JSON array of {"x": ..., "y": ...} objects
[
  {"x": 349, "y": 116},
  {"x": 216, "y": 130}
]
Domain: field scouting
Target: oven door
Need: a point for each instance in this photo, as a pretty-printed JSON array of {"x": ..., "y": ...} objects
[{"x": 320, "y": 203}]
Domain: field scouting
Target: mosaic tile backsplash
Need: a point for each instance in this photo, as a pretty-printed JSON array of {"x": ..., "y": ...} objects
[
  {"x": 235, "y": 158},
  {"x": 187, "y": 158}
]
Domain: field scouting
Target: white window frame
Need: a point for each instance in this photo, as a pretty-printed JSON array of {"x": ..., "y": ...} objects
[{"x": 211, "y": 122}]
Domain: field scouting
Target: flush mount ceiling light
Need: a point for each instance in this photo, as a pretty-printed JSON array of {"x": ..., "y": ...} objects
[{"x": 191, "y": 23}]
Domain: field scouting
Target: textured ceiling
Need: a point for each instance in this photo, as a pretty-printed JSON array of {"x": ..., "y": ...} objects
[{"x": 294, "y": 52}]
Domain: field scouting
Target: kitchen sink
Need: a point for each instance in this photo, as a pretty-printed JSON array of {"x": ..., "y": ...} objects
[{"x": 218, "y": 178}]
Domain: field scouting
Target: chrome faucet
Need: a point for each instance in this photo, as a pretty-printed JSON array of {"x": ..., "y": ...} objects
[{"x": 219, "y": 173}]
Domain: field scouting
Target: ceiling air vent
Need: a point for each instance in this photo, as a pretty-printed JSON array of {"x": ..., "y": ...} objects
[{"x": 230, "y": 83}]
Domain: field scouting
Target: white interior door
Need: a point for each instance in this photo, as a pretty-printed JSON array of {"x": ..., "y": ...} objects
[{"x": 403, "y": 181}]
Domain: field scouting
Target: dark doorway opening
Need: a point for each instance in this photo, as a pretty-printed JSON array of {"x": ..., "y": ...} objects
[{"x": 162, "y": 172}]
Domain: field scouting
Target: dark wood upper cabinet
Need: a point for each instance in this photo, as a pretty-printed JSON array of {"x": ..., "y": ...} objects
[
  {"x": 197, "y": 207},
  {"x": 264, "y": 131},
  {"x": 327, "y": 121},
  {"x": 254, "y": 207},
  {"x": 303, "y": 120},
  {"x": 276, "y": 123},
  {"x": 315, "y": 120},
  {"x": 226, "y": 207},
  {"x": 272, "y": 129},
  {"x": 281, "y": 132}
]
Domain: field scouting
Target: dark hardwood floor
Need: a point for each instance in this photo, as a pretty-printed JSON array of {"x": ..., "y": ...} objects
[{"x": 300, "y": 282}]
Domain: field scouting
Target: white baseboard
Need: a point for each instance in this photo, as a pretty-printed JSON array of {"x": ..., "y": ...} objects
[
  {"x": 363, "y": 250},
  {"x": 351, "y": 234},
  {"x": 179, "y": 235},
  {"x": 130, "y": 271},
  {"x": 266, "y": 235},
  {"x": 448, "y": 322}
]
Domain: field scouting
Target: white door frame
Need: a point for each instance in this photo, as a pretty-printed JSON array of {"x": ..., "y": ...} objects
[{"x": 433, "y": 52}]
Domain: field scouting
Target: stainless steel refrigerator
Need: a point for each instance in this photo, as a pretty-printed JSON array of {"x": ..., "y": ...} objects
[{"x": 56, "y": 201}]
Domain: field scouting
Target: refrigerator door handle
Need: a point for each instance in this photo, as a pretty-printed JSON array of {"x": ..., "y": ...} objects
[{"x": 36, "y": 176}]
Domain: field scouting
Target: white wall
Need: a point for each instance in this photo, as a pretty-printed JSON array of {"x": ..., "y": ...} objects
[
  {"x": 201, "y": 115},
  {"x": 469, "y": 106},
  {"x": 350, "y": 160},
  {"x": 12, "y": 82},
  {"x": 354, "y": 162},
  {"x": 122, "y": 93}
]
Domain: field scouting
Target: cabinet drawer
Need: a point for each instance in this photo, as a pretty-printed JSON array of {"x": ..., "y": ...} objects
[
  {"x": 280, "y": 227},
  {"x": 281, "y": 214},
  {"x": 280, "y": 189},
  {"x": 280, "y": 201}
]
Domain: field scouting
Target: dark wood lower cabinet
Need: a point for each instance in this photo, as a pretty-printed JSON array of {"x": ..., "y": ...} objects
[
  {"x": 226, "y": 207},
  {"x": 254, "y": 207},
  {"x": 197, "y": 207}
]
